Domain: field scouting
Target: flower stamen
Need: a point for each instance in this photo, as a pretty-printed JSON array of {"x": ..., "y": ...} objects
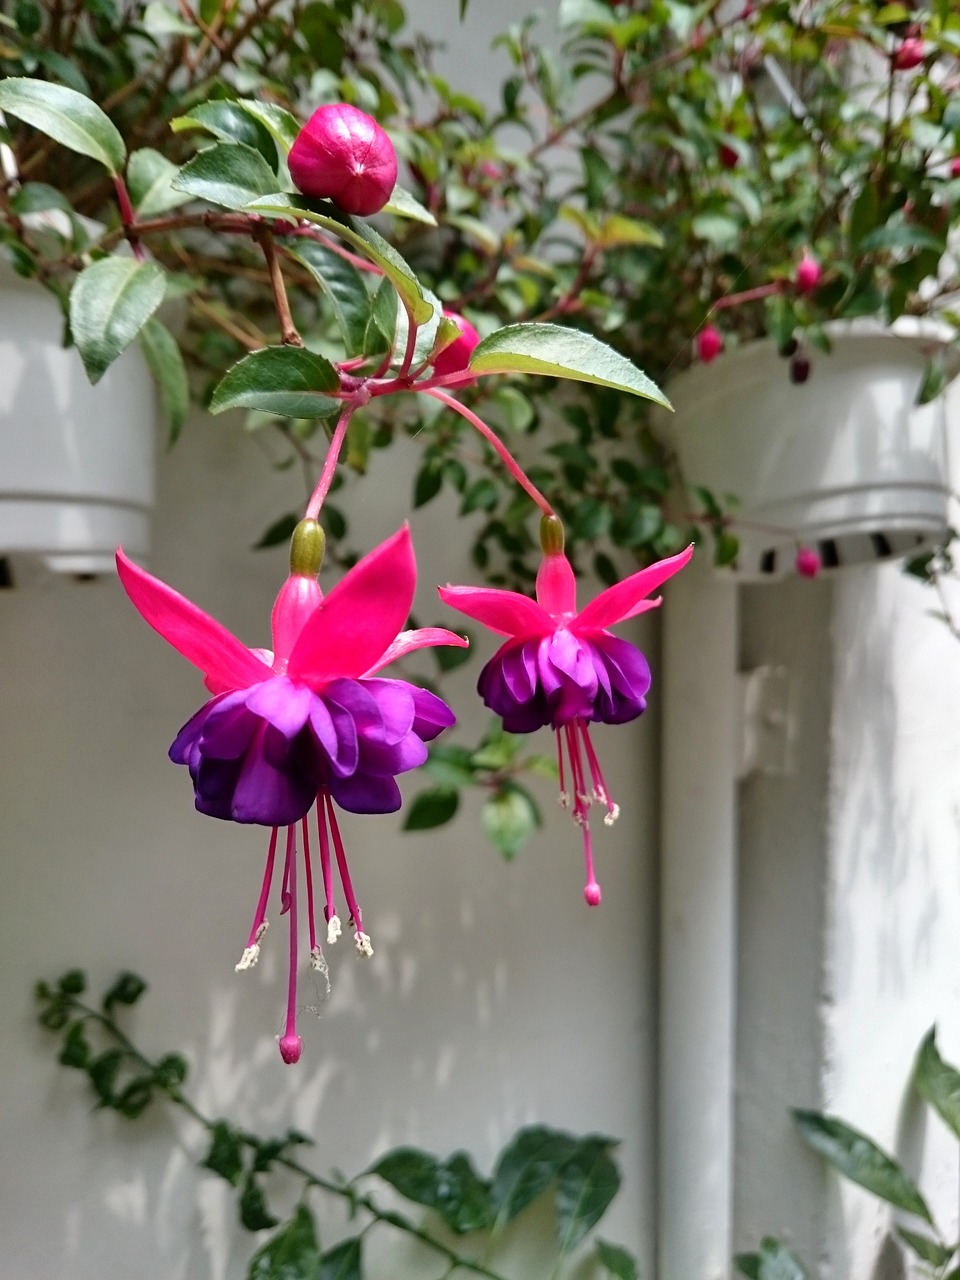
[
  {"x": 326, "y": 870},
  {"x": 600, "y": 792},
  {"x": 356, "y": 919},
  {"x": 251, "y": 952}
]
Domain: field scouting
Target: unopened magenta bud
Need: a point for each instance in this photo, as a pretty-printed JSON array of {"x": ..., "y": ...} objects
[
  {"x": 808, "y": 274},
  {"x": 551, "y": 535},
  {"x": 307, "y": 546},
  {"x": 709, "y": 343},
  {"x": 291, "y": 1048},
  {"x": 909, "y": 54},
  {"x": 456, "y": 356},
  {"x": 342, "y": 154},
  {"x": 807, "y": 562}
]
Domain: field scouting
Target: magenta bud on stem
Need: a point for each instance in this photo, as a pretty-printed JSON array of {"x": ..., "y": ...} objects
[{"x": 342, "y": 154}]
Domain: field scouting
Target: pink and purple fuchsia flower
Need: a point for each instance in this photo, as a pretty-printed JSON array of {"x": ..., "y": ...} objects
[
  {"x": 309, "y": 722},
  {"x": 565, "y": 669}
]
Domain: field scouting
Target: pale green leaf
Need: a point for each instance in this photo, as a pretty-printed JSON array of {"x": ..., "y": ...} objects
[
  {"x": 562, "y": 353},
  {"x": 110, "y": 302},
  {"x": 403, "y": 205},
  {"x": 230, "y": 174},
  {"x": 68, "y": 117},
  {"x": 169, "y": 372},
  {"x": 149, "y": 181}
]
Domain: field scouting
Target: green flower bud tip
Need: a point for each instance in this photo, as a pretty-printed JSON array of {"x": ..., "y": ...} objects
[
  {"x": 306, "y": 548},
  {"x": 551, "y": 535}
]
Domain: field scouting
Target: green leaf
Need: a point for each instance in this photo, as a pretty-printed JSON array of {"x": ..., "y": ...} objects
[
  {"x": 342, "y": 1262},
  {"x": 858, "y": 1158},
  {"x": 932, "y": 1251},
  {"x": 561, "y": 353},
  {"x": 159, "y": 20},
  {"x": 280, "y": 531},
  {"x": 617, "y": 230},
  {"x": 453, "y": 1188},
  {"x": 773, "y": 1262},
  {"x": 427, "y": 484},
  {"x": 526, "y": 1167},
  {"x": 165, "y": 362},
  {"x": 103, "y": 1072},
  {"x": 587, "y": 1183},
  {"x": 448, "y": 657},
  {"x": 617, "y": 1261},
  {"x": 73, "y": 982},
  {"x": 68, "y": 117},
  {"x": 716, "y": 229},
  {"x": 403, "y": 205},
  {"x": 254, "y": 1213},
  {"x": 344, "y": 287},
  {"x": 509, "y": 818},
  {"x": 281, "y": 125},
  {"x": 432, "y": 808},
  {"x": 228, "y": 121},
  {"x": 904, "y": 236},
  {"x": 226, "y": 1153},
  {"x": 170, "y": 1071},
  {"x": 935, "y": 379},
  {"x": 135, "y": 1097},
  {"x": 358, "y": 234},
  {"x": 127, "y": 990},
  {"x": 937, "y": 1082},
  {"x": 292, "y": 1254},
  {"x": 76, "y": 1047},
  {"x": 230, "y": 174},
  {"x": 149, "y": 181},
  {"x": 110, "y": 302},
  {"x": 289, "y": 381},
  {"x": 864, "y": 215}
]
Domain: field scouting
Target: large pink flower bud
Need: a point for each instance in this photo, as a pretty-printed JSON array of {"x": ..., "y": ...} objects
[
  {"x": 457, "y": 356},
  {"x": 808, "y": 273},
  {"x": 342, "y": 154},
  {"x": 709, "y": 343},
  {"x": 909, "y": 54}
]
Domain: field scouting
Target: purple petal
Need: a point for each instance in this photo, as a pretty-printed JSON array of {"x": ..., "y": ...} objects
[
  {"x": 282, "y": 703},
  {"x": 431, "y": 714},
  {"x": 365, "y": 794}
]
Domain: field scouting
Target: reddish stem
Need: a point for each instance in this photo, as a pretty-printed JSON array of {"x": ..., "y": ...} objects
[
  {"x": 128, "y": 218},
  {"x": 330, "y": 462}
]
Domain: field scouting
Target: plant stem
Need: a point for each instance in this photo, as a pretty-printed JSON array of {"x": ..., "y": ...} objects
[
  {"x": 496, "y": 444},
  {"x": 288, "y": 330},
  {"x": 330, "y": 462}
]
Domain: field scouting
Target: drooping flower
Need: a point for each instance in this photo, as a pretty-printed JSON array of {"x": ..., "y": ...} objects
[
  {"x": 308, "y": 721},
  {"x": 564, "y": 668},
  {"x": 342, "y": 154}
]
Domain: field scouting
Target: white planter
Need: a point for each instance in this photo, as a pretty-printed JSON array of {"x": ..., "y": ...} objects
[
  {"x": 77, "y": 462},
  {"x": 845, "y": 463}
]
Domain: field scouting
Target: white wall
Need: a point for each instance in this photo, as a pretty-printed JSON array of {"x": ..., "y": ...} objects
[{"x": 495, "y": 998}]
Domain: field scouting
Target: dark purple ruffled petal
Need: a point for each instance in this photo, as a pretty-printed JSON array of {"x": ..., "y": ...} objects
[
  {"x": 365, "y": 794},
  {"x": 431, "y": 714}
]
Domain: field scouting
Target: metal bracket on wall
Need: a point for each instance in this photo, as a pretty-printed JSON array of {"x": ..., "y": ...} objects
[{"x": 767, "y": 722}]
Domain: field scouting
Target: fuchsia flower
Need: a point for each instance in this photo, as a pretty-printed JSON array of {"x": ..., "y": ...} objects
[
  {"x": 342, "y": 154},
  {"x": 565, "y": 669},
  {"x": 309, "y": 721}
]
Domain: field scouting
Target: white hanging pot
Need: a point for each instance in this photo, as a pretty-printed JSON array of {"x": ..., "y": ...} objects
[
  {"x": 845, "y": 463},
  {"x": 77, "y": 461}
]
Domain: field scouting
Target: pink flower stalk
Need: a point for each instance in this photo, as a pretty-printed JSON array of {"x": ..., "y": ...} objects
[
  {"x": 564, "y": 668},
  {"x": 310, "y": 722},
  {"x": 808, "y": 273},
  {"x": 457, "y": 356},
  {"x": 342, "y": 154},
  {"x": 709, "y": 343}
]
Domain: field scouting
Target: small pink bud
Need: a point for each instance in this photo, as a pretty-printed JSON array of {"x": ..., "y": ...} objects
[
  {"x": 591, "y": 894},
  {"x": 729, "y": 156},
  {"x": 909, "y": 54},
  {"x": 457, "y": 356},
  {"x": 342, "y": 154},
  {"x": 807, "y": 562},
  {"x": 709, "y": 343},
  {"x": 808, "y": 274},
  {"x": 291, "y": 1048},
  {"x": 955, "y": 167}
]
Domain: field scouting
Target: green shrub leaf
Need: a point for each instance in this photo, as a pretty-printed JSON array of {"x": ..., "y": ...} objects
[
  {"x": 69, "y": 117},
  {"x": 110, "y": 302},
  {"x": 288, "y": 381}
]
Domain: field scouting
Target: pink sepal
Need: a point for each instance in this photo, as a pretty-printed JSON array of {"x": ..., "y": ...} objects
[
  {"x": 224, "y": 661},
  {"x": 354, "y": 626},
  {"x": 556, "y": 585},
  {"x": 628, "y": 598},
  {"x": 422, "y": 638},
  {"x": 299, "y": 596},
  {"x": 506, "y": 612}
]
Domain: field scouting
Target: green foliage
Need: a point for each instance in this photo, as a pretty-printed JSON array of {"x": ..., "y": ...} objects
[
  {"x": 110, "y": 303},
  {"x": 577, "y": 1174}
]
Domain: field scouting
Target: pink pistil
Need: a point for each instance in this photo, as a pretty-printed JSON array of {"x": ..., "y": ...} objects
[
  {"x": 361, "y": 939},
  {"x": 291, "y": 1046}
]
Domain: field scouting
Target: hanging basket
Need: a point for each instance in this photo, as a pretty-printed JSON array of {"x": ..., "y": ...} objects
[
  {"x": 845, "y": 463},
  {"x": 76, "y": 461}
]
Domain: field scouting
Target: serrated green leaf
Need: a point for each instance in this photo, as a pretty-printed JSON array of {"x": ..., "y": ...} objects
[
  {"x": 858, "y": 1158},
  {"x": 432, "y": 808},
  {"x": 937, "y": 1082},
  {"x": 586, "y": 1185},
  {"x": 252, "y": 1206},
  {"x": 103, "y": 1072},
  {"x": 561, "y": 353},
  {"x": 165, "y": 362},
  {"x": 343, "y": 285},
  {"x": 76, "y": 1047},
  {"x": 229, "y": 174},
  {"x": 110, "y": 302},
  {"x": 526, "y": 1167},
  {"x": 289, "y": 381},
  {"x": 229, "y": 122},
  {"x": 126, "y": 990},
  {"x": 282, "y": 126},
  {"x": 70, "y": 118},
  {"x": 509, "y": 819},
  {"x": 617, "y": 1261},
  {"x": 149, "y": 181},
  {"x": 358, "y": 234},
  {"x": 452, "y": 1187},
  {"x": 342, "y": 1262},
  {"x": 292, "y": 1254},
  {"x": 225, "y": 1155}
]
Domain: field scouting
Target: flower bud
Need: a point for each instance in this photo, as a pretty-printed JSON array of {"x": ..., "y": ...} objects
[
  {"x": 807, "y": 562},
  {"x": 456, "y": 357},
  {"x": 909, "y": 54},
  {"x": 307, "y": 546},
  {"x": 729, "y": 156},
  {"x": 808, "y": 273},
  {"x": 342, "y": 154},
  {"x": 955, "y": 167},
  {"x": 709, "y": 343}
]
